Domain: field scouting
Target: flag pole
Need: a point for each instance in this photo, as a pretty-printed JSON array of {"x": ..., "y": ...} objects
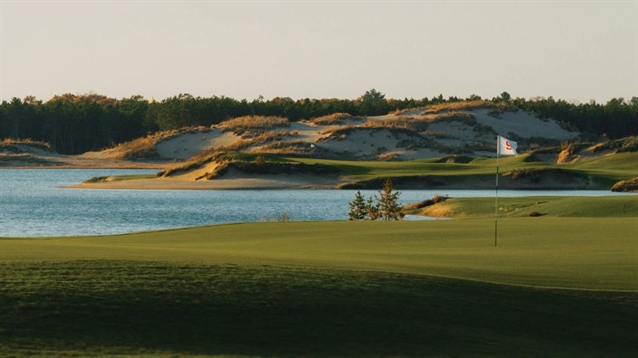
[{"x": 498, "y": 151}]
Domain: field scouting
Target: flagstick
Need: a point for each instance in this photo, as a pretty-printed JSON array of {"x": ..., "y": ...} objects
[{"x": 498, "y": 150}]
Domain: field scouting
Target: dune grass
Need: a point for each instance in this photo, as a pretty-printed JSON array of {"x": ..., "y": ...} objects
[
  {"x": 461, "y": 106},
  {"x": 413, "y": 123},
  {"x": 334, "y": 119},
  {"x": 25, "y": 141},
  {"x": 333, "y": 289},
  {"x": 248, "y": 124}
]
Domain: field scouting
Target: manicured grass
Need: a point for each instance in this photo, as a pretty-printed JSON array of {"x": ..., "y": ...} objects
[
  {"x": 554, "y": 287},
  {"x": 97, "y": 308},
  {"x": 605, "y": 170},
  {"x": 579, "y": 253}
]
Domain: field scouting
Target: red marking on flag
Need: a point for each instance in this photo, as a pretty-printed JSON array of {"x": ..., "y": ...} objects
[{"x": 508, "y": 146}]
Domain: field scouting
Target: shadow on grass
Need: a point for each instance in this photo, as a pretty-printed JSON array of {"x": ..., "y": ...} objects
[{"x": 123, "y": 307}]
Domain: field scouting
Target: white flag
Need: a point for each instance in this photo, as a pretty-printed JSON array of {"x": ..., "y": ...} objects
[{"x": 506, "y": 146}]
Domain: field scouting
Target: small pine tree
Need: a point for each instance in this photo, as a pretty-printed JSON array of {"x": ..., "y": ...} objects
[
  {"x": 389, "y": 208},
  {"x": 358, "y": 210},
  {"x": 372, "y": 209}
]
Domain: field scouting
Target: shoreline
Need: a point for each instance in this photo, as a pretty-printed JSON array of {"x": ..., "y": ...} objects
[
  {"x": 293, "y": 182},
  {"x": 235, "y": 182}
]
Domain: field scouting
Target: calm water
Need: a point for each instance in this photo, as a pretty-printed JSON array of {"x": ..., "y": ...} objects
[{"x": 31, "y": 204}]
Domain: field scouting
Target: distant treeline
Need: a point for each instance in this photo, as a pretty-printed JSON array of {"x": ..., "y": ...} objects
[{"x": 76, "y": 124}]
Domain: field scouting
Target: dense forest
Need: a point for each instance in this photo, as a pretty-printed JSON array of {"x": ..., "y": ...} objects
[{"x": 75, "y": 124}]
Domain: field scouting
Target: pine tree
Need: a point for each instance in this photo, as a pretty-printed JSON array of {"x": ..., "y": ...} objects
[
  {"x": 358, "y": 210},
  {"x": 389, "y": 208},
  {"x": 372, "y": 209}
]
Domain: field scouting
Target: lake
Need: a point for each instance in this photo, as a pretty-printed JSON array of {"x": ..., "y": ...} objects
[{"x": 33, "y": 205}]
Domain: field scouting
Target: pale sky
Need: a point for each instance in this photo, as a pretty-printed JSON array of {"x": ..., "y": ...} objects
[{"x": 572, "y": 50}]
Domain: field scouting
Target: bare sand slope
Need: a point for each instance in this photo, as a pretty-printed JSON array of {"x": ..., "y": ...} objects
[
  {"x": 523, "y": 124},
  {"x": 186, "y": 145},
  {"x": 33, "y": 157}
]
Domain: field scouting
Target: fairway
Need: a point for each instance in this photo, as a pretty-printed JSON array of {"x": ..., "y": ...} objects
[
  {"x": 578, "y": 253},
  {"x": 553, "y": 287}
]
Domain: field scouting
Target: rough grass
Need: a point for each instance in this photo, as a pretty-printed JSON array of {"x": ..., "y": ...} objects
[
  {"x": 297, "y": 148},
  {"x": 455, "y": 116},
  {"x": 25, "y": 141},
  {"x": 248, "y": 125},
  {"x": 629, "y": 185},
  {"x": 334, "y": 119},
  {"x": 560, "y": 206},
  {"x": 464, "y": 106},
  {"x": 628, "y": 144},
  {"x": 252, "y": 163},
  {"x": 197, "y": 161},
  {"x": 416, "y": 124}
]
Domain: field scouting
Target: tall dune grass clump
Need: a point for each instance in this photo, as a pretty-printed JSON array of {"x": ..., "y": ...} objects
[
  {"x": 337, "y": 131},
  {"x": 143, "y": 147},
  {"x": 257, "y": 139},
  {"x": 334, "y": 119},
  {"x": 450, "y": 106},
  {"x": 251, "y": 124},
  {"x": 25, "y": 141},
  {"x": 460, "y": 106},
  {"x": 196, "y": 161},
  {"x": 417, "y": 124},
  {"x": 628, "y": 144},
  {"x": 289, "y": 148}
]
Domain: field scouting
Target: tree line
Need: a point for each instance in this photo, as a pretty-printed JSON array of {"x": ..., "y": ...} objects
[{"x": 75, "y": 124}]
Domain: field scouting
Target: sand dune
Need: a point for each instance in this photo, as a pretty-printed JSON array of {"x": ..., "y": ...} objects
[
  {"x": 365, "y": 142},
  {"x": 389, "y": 137}
]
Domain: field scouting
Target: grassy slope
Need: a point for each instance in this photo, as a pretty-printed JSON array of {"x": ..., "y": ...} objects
[
  {"x": 616, "y": 167},
  {"x": 607, "y": 169},
  {"x": 603, "y": 171},
  {"x": 559, "y": 206},
  {"x": 94, "y": 308}
]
